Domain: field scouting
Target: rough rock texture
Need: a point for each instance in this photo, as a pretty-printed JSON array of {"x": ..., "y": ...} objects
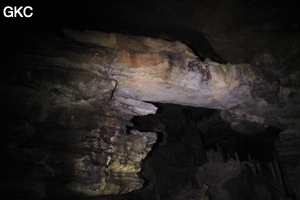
[
  {"x": 63, "y": 132},
  {"x": 79, "y": 93},
  {"x": 246, "y": 93}
]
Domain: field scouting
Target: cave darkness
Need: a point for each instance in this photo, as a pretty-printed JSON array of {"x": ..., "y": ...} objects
[
  {"x": 190, "y": 137},
  {"x": 66, "y": 124}
]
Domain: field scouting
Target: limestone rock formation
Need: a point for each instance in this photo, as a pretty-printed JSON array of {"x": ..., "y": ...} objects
[
  {"x": 243, "y": 91},
  {"x": 68, "y": 101},
  {"x": 68, "y": 126}
]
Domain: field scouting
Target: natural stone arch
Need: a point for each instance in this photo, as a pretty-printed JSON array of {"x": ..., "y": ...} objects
[{"x": 112, "y": 76}]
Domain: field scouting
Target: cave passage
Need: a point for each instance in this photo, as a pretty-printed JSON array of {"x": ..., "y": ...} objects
[{"x": 197, "y": 154}]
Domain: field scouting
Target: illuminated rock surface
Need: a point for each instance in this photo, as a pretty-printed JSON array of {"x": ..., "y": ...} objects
[{"x": 72, "y": 106}]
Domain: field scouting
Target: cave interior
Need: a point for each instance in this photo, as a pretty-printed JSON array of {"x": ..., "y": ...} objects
[
  {"x": 67, "y": 133},
  {"x": 197, "y": 139}
]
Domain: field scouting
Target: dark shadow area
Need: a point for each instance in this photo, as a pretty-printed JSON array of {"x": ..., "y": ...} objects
[
  {"x": 192, "y": 139},
  {"x": 44, "y": 137},
  {"x": 106, "y": 16}
]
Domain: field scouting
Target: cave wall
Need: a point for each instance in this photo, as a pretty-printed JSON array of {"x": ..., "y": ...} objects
[
  {"x": 76, "y": 93},
  {"x": 62, "y": 132}
]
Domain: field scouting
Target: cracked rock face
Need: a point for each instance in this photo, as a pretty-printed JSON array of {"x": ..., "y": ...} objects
[
  {"x": 66, "y": 104},
  {"x": 243, "y": 91},
  {"x": 63, "y": 124}
]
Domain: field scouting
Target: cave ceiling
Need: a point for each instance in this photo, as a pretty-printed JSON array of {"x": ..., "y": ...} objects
[{"x": 75, "y": 75}]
